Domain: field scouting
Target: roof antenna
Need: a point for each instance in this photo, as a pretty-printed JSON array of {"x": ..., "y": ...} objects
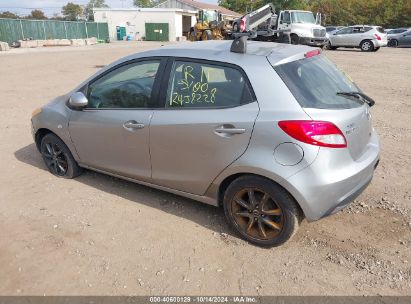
[{"x": 239, "y": 45}]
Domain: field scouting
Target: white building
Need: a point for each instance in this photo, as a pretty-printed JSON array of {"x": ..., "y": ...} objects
[
  {"x": 158, "y": 22},
  {"x": 197, "y": 5}
]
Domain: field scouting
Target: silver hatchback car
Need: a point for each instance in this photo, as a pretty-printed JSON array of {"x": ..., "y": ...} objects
[
  {"x": 367, "y": 38},
  {"x": 273, "y": 134}
]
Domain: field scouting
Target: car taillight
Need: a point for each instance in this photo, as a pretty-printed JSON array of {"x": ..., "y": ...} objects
[
  {"x": 377, "y": 36},
  {"x": 317, "y": 133},
  {"x": 242, "y": 25},
  {"x": 312, "y": 53}
]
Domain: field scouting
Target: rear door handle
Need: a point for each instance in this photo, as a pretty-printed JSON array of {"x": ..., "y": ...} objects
[
  {"x": 132, "y": 124},
  {"x": 230, "y": 131}
]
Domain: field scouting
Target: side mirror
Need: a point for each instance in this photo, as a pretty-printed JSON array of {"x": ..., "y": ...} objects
[{"x": 78, "y": 100}]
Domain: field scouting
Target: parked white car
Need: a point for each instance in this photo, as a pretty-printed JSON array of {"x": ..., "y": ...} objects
[{"x": 366, "y": 37}]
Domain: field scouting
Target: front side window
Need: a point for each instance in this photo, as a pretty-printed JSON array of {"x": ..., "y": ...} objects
[
  {"x": 346, "y": 30},
  {"x": 129, "y": 86},
  {"x": 286, "y": 17},
  {"x": 203, "y": 85}
]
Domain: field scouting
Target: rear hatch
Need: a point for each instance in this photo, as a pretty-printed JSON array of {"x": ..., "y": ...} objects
[
  {"x": 317, "y": 84},
  {"x": 382, "y": 34}
]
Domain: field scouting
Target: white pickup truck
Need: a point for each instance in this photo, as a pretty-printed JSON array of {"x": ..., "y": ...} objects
[{"x": 294, "y": 26}]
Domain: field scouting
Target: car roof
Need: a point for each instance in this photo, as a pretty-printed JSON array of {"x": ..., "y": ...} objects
[{"x": 219, "y": 50}]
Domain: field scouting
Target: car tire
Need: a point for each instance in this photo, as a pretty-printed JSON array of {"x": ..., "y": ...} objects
[
  {"x": 207, "y": 35},
  {"x": 295, "y": 39},
  {"x": 236, "y": 28},
  {"x": 328, "y": 46},
  {"x": 393, "y": 43},
  {"x": 58, "y": 158},
  {"x": 261, "y": 211},
  {"x": 192, "y": 34},
  {"x": 367, "y": 46}
]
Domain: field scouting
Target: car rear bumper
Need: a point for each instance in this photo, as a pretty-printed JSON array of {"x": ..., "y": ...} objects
[
  {"x": 380, "y": 43},
  {"x": 313, "y": 41},
  {"x": 327, "y": 186}
]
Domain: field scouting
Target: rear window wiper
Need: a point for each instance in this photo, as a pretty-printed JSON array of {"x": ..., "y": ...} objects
[{"x": 358, "y": 96}]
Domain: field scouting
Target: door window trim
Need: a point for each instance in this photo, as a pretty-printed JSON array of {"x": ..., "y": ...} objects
[
  {"x": 156, "y": 86},
  {"x": 162, "y": 100}
]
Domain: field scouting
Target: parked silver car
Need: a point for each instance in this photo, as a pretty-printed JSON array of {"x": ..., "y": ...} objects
[
  {"x": 367, "y": 38},
  {"x": 400, "y": 39},
  {"x": 273, "y": 134},
  {"x": 392, "y": 32}
]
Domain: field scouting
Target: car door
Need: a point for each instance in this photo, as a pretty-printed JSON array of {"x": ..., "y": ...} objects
[
  {"x": 355, "y": 37},
  {"x": 206, "y": 123},
  {"x": 340, "y": 38},
  {"x": 112, "y": 132},
  {"x": 284, "y": 20},
  {"x": 405, "y": 39}
]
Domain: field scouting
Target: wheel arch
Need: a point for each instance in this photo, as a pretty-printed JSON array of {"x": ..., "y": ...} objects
[
  {"x": 367, "y": 39},
  {"x": 226, "y": 182},
  {"x": 40, "y": 135},
  {"x": 397, "y": 42}
]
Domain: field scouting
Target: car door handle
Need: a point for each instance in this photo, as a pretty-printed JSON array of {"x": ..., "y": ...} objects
[
  {"x": 230, "y": 131},
  {"x": 132, "y": 124}
]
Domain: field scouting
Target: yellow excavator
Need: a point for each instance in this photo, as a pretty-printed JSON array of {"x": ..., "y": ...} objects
[{"x": 209, "y": 26}]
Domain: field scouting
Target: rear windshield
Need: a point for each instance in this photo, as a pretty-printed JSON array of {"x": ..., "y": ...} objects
[
  {"x": 380, "y": 29},
  {"x": 315, "y": 81}
]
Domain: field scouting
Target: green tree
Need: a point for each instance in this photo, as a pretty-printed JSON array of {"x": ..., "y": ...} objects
[
  {"x": 146, "y": 3},
  {"x": 7, "y": 14},
  {"x": 240, "y": 6},
  {"x": 72, "y": 11},
  {"x": 387, "y": 13},
  {"x": 244, "y": 6},
  {"x": 94, "y": 4},
  {"x": 37, "y": 14}
]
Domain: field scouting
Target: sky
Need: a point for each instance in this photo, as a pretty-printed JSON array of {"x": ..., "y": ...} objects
[{"x": 24, "y": 7}]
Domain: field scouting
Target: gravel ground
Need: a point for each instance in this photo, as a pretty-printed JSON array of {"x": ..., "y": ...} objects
[{"x": 98, "y": 235}]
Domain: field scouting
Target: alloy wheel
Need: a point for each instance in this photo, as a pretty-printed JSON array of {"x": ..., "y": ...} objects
[
  {"x": 55, "y": 159},
  {"x": 256, "y": 214},
  {"x": 366, "y": 46}
]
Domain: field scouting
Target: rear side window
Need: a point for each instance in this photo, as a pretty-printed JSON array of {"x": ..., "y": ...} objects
[
  {"x": 361, "y": 29},
  {"x": 315, "y": 81},
  {"x": 203, "y": 85}
]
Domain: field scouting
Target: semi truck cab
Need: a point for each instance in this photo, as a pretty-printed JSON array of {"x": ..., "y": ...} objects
[{"x": 303, "y": 27}]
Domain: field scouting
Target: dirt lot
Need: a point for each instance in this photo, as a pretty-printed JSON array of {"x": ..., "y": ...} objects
[{"x": 98, "y": 235}]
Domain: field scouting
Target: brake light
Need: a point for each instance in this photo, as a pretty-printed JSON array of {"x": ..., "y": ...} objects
[
  {"x": 317, "y": 133},
  {"x": 242, "y": 25},
  {"x": 377, "y": 36},
  {"x": 312, "y": 53}
]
